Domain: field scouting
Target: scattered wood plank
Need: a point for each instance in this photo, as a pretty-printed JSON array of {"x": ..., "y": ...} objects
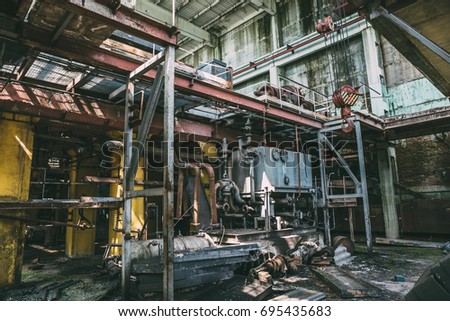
[{"x": 411, "y": 243}]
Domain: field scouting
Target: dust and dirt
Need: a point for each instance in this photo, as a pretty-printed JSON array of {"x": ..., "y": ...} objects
[
  {"x": 60, "y": 277},
  {"x": 381, "y": 267},
  {"x": 63, "y": 278}
]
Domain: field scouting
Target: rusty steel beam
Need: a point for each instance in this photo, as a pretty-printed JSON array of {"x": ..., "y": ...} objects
[
  {"x": 111, "y": 61},
  {"x": 240, "y": 101},
  {"x": 423, "y": 117},
  {"x": 124, "y": 19},
  {"x": 31, "y": 101}
]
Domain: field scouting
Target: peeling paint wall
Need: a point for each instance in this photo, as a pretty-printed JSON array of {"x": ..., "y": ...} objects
[
  {"x": 15, "y": 166},
  {"x": 408, "y": 91},
  {"x": 298, "y": 18},
  {"x": 316, "y": 71},
  {"x": 253, "y": 39},
  {"x": 239, "y": 46},
  {"x": 423, "y": 162},
  {"x": 414, "y": 96},
  {"x": 247, "y": 42}
]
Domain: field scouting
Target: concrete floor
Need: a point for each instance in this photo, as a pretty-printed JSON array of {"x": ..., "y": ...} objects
[{"x": 62, "y": 278}]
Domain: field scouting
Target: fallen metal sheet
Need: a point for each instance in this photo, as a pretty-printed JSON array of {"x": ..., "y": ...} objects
[
  {"x": 341, "y": 256},
  {"x": 146, "y": 283},
  {"x": 235, "y": 289},
  {"x": 345, "y": 283},
  {"x": 193, "y": 268},
  {"x": 300, "y": 294}
]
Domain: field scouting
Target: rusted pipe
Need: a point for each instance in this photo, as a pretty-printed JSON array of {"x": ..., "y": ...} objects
[
  {"x": 196, "y": 187},
  {"x": 196, "y": 193},
  {"x": 180, "y": 192},
  {"x": 212, "y": 190}
]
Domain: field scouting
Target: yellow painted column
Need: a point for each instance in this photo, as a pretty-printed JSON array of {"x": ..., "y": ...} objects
[
  {"x": 81, "y": 242},
  {"x": 15, "y": 168},
  {"x": 137, "y": 214}
]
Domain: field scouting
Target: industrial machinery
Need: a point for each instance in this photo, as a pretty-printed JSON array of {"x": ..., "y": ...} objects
[
  {"x": 268, "y": 184},
  {"x": 265, "y": 207}
]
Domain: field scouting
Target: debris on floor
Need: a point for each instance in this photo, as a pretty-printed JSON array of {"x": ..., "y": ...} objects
[
  {"x": 64, "y": 278},
  {"x": 411, "y": 243},
  {"x": 399, "y": 278},
  {"x": 446, "y": 248},
  {"x": 346, "y": 284},
  {"x": 341, "y": 255},
  {"x": 300, "y": 294}
]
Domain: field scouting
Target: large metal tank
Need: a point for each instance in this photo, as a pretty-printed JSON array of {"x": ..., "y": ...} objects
[
  {"x": 142, "y": 250},
  {"x": 274, "y": 168}
]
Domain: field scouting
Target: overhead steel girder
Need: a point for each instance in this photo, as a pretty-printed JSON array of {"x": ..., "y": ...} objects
[
  {"x": 102, "y": 58},
  {"x": 185, "y": 27},
  {"x": 380, "y": 11},
  {"x": 428, "y": 57},
  {"x": 124, "y": 19}
]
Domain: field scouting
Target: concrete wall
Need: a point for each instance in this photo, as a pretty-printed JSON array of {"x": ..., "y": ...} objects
[
  {"x": 247, "y": 42},
  {"x": 317, "y": 71},
  {"x": 248, "y": 87},
  {"x": 239, "y": 46},
  {"x": 255, "y": 38},
  {"x": 424, "y": 165},
  {"x": 408, "y": 91},
  {"x": 423, "y": 162},
  {"x": 295, "y": 19}
]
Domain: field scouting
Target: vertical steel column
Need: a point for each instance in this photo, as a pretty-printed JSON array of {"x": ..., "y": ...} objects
[
  {"x": 168, "y": 197},
  {"x": 362, "y": 170},
  {"x": 267, "y": 210},
  {"x": 128, "y": 185},
  {"x": 323, "y": 180}
]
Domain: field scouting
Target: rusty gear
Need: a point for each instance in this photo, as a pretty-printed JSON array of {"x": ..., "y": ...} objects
[
  {"x": 325, "y": 26},
  {"x": 344, "y": 98}
]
